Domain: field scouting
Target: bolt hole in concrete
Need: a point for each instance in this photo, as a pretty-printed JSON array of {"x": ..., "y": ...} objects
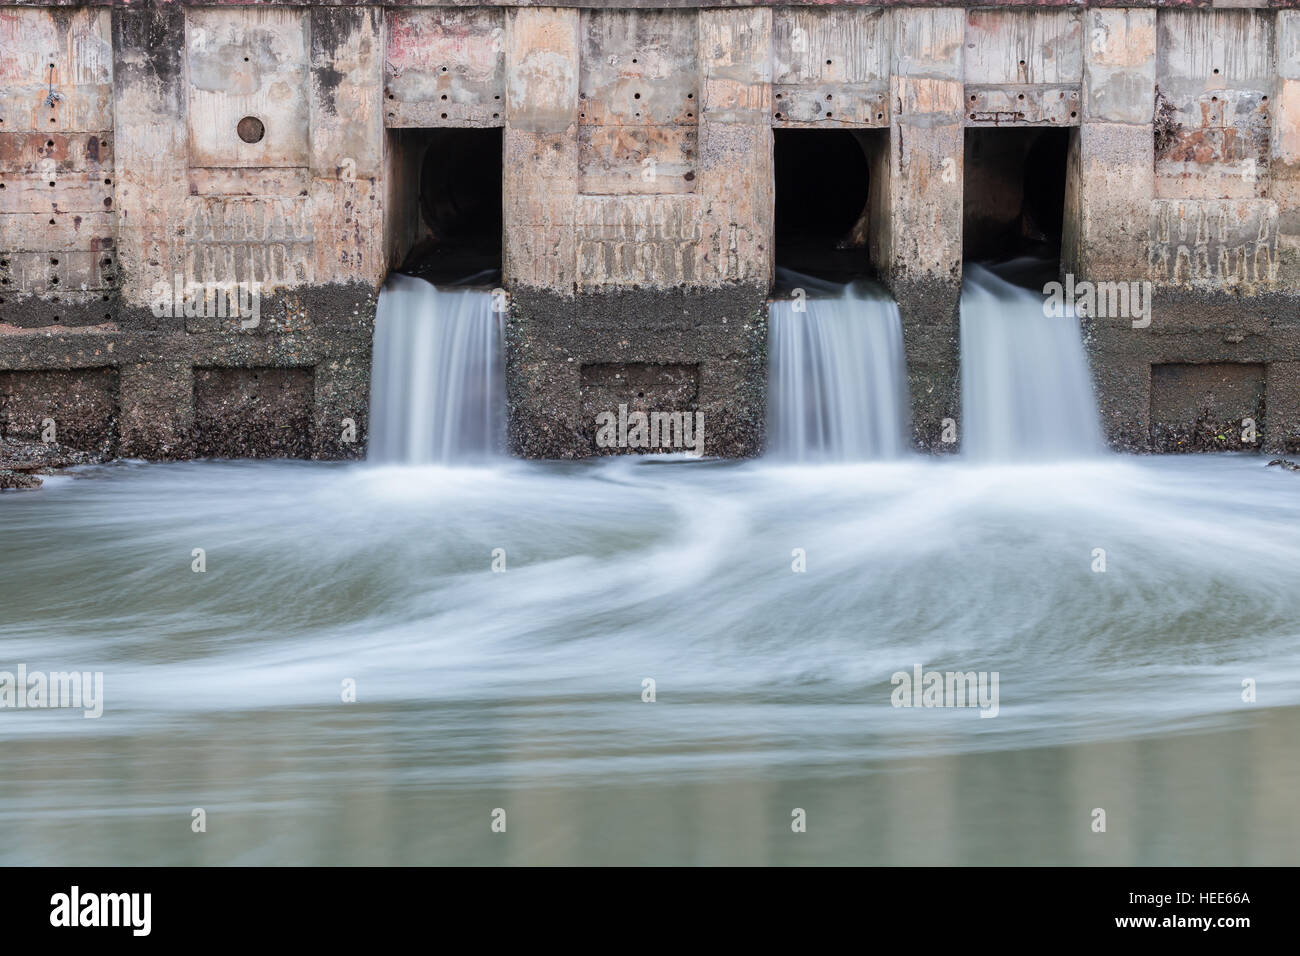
[{"x": 250, "y": 129}]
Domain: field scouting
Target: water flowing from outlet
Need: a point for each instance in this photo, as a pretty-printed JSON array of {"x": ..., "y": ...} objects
[
  {"x": 1026, "y": 390},
  {"x": 838, "y": 379},
  {"x": 437, "y": 390}
]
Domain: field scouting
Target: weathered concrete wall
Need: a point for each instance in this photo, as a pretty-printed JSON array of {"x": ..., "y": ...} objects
[{"x": 637, "y": 194}]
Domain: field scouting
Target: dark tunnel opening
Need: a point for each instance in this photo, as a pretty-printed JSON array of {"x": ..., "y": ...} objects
[
  {"x": 823, "y": 200},
  {"x": 1015, "y": 194},
  {"x": 459, "y": 198}
]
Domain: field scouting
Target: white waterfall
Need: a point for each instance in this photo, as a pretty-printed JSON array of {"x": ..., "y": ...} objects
[{"x": 437, "y": 387}]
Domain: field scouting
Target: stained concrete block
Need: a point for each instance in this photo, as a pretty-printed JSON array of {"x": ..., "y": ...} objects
[
  {"x": 1284, "y": 171},
  {"x": 736, "y": 175},
  {"x": 543, "y": 48},
  {"x": 445, "y": 67},
  {"x": 1215, "y": 71},
  {"x": 345, "y": 97},
  {"x": 541, "y": 149},
  {"x": 925, "y": 172},
  {"x": 831, "y": 67},
  {"x": 1119, "y": 66},
  {"x": 56, "y": 166},
  {"x": 1023, "y": 47}
]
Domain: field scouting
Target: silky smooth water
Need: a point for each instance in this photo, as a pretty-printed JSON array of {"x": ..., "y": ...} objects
[
  {"x": 837, "y": 378},
  {"x": 523, "y": 689},
  {"x": 437, "y": 392},
  {"x": 1025, "y": 386}
]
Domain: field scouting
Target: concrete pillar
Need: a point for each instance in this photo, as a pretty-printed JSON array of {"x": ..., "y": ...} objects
[
  {"x": 1112, "y": 155},
  {"x": 151, "y": 175},
  {"x": 1284, "y": 167},
  {"x": 1109, "y": 189},
  {"x": 156, "y": 409},
  {"x": 347, "y": 140},
  {"x": 540, "y": 191},
  {"x": 923, "y": 246},
  {"x": 736, "y": 179},
  {"x": 341, "y": 403}
]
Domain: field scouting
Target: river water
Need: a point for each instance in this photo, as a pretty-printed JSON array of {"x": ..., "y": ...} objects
[{"x": 521, "y": 690}]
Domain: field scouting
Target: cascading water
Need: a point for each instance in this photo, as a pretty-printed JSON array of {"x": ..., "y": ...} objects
[
  {"x": 437, "y": 390},
  {"x": 1026, "y": 390},
  {"x": 838, "y": 378}
]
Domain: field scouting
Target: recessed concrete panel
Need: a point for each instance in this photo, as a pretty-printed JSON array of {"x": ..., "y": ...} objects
[
  {"x": 79, "y": 404},
  {"x": 640, "y": 387},
  {"x": 1202, "y": 407},
  {"x": 253, "y": 412},
  {"x": 247, "y": 63}
]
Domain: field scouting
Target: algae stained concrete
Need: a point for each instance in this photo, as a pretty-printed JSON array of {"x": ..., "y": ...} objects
[{"x": 272, "y": 145}]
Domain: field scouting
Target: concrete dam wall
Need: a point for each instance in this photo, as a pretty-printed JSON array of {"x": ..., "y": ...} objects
[{"x": 199, "y": 204}]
